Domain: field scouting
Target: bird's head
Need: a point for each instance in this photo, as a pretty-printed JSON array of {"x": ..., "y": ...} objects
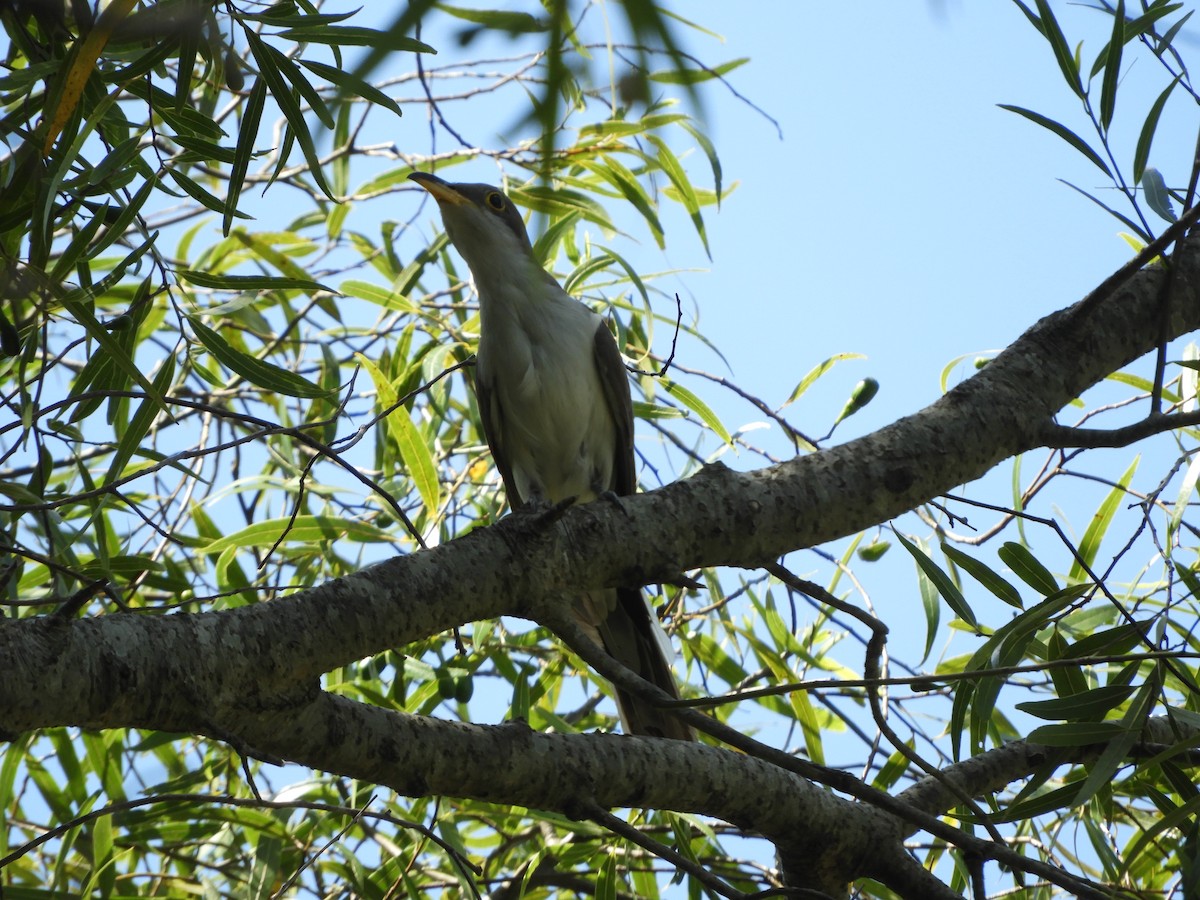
[{"x": 481, "y": 222}]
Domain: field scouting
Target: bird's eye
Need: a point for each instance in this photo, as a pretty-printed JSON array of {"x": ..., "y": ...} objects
[{"x": 496, "y": 201}]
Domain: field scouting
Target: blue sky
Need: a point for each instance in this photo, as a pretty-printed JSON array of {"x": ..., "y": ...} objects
[{"x": 903, "y": 215}]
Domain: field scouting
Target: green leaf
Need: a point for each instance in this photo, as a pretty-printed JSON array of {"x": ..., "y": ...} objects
[
  {"x": 1063, "y": 132},
  {"x": 696, "y": 76},
  {"x": 1116, "y": 753},
  {"x": 1075, "y": 734},
  {"x": 83, "y": 314},
  {"x": 1112, "y": 67},
  {"x": 1158, "y": 198},
  {"x": 414, "y": 449},
  {"x": 355, "y": 36},
  {"x": 1062, "y": 50},
  {"x": 200, "y": 195},
  {"x": 251, "y": 115},
  {"x": 139, "y": 424},
  {"x": 258, "y": 372},
  {"x": 982, "y": 573},
  {"x": 250, "y": 282},
  {"x": 374, "y": 293},
  {"x": 816, "y": 372},
  {"x": 1184, "y": 498},
  {"x": 498, "y": 20},
  {"x": 1089, "y": 545},
  {"x": 699, "y": 407},
  {"x": 1090, "y": 705},
  {"x": 264, "y": 56},
  {"x": 945, "y": 586},
  {"x": 674, "y": 170},
  {"x": 1026, "y": 567},
  {"x": 303, "y": 529},
  {"x": 626, "y": 182},
  {"x": 351, "y": 84},
  {"x": 711, "y": 152},
  {"x": 651, "y": 411},
  {"x": 1133, "y": 226}
]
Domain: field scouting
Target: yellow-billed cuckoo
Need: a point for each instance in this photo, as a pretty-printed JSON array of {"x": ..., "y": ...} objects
[{"x": 554, "y": 399}]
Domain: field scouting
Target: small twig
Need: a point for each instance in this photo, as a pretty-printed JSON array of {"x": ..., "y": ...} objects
[
  {"x": 309, "y": 860},
  {"x": 433, "y": 104},
  {"x": 602, "y": 817},
  {"x": 662, "y": 372},
  {"x": 873, "y": 669}
]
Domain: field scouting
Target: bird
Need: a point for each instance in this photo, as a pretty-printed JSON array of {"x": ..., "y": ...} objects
[{"x": 555, "y": 404}]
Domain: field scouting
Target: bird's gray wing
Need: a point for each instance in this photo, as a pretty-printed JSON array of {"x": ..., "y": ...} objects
[
  {"x": 491, "y": 416},
  {"x": 614, "y": 381},
  {"x": 622, "y": 617}
]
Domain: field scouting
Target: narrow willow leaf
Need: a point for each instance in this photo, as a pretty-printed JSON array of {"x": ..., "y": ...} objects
[
  {"x": 418, "y": 454},
  {"x": 265, "y": 250},
  {"x": 710, "y": 151},
  {"x": 1133, "y": 226},
  {"x": 121, "y": 226},
  {"x": 139, "y": 424},
  {"x": 1185, "y": 493},
  {"x": 626, "y": 182},
  {"x": 700, "y": 408},
  {"x": 562, "y": 202},
  {"x": 354, "y": 36},
  {"x": 282, "y": 92},
  {"x": 1062, "y": 50},
  {"x": 303, "y": 87},
  {"x": 1026, "y": 567},
  {"x": 247, "y": 133},
  {"x": 982, "y": 573},
  {"x": 258, "y": 372},
  {"x": 250, "y": 282},
  {"x": 68, "y": 88},
  {"x": 384, "y": 297},
  {"x": 651, "y": 411},
  {"x": 498, "y": 20},
  {"x": 816, "y": 372},
  {"x": 414, "y": 450},
  {"x": 1089, "y": 545},
  {"x": 944, "y": 584},
  {"x": 351, "y": 84},
  {"x": 200, "y": 195},
  {"x": 696, "y": 76},
  {"x": 634, "y": 277},
  {"x": 1075, "y": 734},
  {"x": 1167, "y": 41},
  {"x": 1063, "y": 132},
  {"x": 1116, "y": 753},
  {"x": 205, "y": 149},
  {"x": 932, "y": 605},
  {"x": 299, "y": 530},
  {"x": 671, "y": 165},
  {"x": 1091, "y": 705},
  {"x": 1112, "y": 67},
  {"x": 83, "y": 314}
]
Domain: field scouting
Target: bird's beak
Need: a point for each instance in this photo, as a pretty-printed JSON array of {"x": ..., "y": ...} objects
[{"x": 442, "y": 191}]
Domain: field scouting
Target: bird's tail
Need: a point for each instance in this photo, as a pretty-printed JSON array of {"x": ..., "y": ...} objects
[{"x": 632, "y": 636}]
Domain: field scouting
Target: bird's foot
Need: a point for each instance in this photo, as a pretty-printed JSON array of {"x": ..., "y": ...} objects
[
  {"x": 547, "y": 513},
  {"x": 616, "y": 499}
]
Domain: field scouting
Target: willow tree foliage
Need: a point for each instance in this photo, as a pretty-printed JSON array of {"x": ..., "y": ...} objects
[{"x": 268, "y": 631}]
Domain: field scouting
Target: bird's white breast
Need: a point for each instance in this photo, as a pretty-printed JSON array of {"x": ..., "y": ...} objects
[{"x": 537, "y": 357}]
